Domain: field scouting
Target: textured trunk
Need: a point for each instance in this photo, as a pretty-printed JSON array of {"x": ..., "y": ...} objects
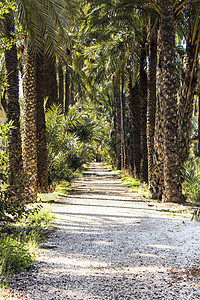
[
  {"x": 117, "y": 126},
  {"x": 198, "y": 151},
  {"x": 188, "y": 87},
  {"x": 71, "y": 94},
  {"x": 143, "y": 117},
  {"x": 122, "y": 127},
  {"x": 61, "y": 85},
  {"x": 42, "y": 169},
  {"x": 151, "y": 104},
  {"x": 131, "y": 126},
  {"x": 13, "y": 113},
  {"x": 67, "y": 96},
  {"x": 134, "y": 119},
  {"x": 156, "y": 183},
  {"x": 172, "y": 186},
  {"x": 51, "y": 81},
  {"x": 30, "y": 136}
]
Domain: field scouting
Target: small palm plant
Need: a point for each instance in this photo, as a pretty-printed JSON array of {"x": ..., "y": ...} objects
[{"x": 191, "y": 176}]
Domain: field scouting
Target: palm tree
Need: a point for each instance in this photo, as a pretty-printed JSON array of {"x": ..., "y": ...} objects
[
  {"x": 42, "y": 21},
  {"x": 185, "y": 106},
  {"x": 30, "y": 133},
  {"x": 143, "y": 108},
  {"x": 189, "y": 26},
  {"x": 61, "y": 84},
  {"x": 42, "y": 168},
  {"x": 172, "y": 186},
  {"x": 51, "y": 81},
  {"x": 13, "y": 110},
  {"x": 151, "y": 96},
  {"x": 134, "y": 119}
]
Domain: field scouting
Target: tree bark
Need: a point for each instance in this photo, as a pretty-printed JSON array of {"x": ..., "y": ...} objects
[
  {"x": 198, "y": 145},
  {"x": 134, "y": 119},
  {"x": 143, "y": 112},
  {"x": 123, "y": 125},
  {"x": 172, "y": 185},
  {"x": 30, "y": 134},
  {"x": 61, "y": 85},
  {"x": 117, "y": 126},
  {"x": 151, "y": 104},
  {"x": 51, "y": 81},
  {"x": 67, "y": 96},
  {"x": 156, "y": 184},
  {"x": 15, "y": 169},
  {"x": 42, "y": 168},
  {"x": 188, "y": 88}
]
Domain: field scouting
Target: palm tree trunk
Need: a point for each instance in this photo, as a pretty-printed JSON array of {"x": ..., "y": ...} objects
[
  {"x": 172, "y": 186},
  {"x": 134, "y": 119},
  {"x": 71, "y": 94},
  {"x": 143, "y": 117},
  {"x": 61, "y": 85},
  {"x": 198, "y": 145},
  {"x": 188, "y": 87},
  {"x": 151, "y": 104},
  {"x": 51, "y": 78},
  {"x": 13, "y": 113},
  {"x": 122, "y": 117},
  {"x": 117, "y": 126},
  {"x": 67, "y": 96},
  {"x": 131, "y": 125},
  {"x": 42, "y": 168},
  {"x": 30, "y": 135}
]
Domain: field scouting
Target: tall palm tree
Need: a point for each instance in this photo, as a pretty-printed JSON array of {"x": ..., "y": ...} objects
[
  {"x": 61, "y": 84},
  {"x": 151, "y": 95},
  {"x": 42, "y": 169},
  {"x": 13, "y": 110},
  {"x": 51, "y": 80},
  {"x": 172, "y": 186},
  {"x": 30, "y": 133},
  {"x": 143, "y": 108},
  {"x": 189, "y": 25},
  {"x": 43, "y": 21}
]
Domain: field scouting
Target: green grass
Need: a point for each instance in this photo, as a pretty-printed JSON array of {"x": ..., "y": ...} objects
[
  {"x": 61, "y": 190},
  {"x": 136, "y": 186},
  {"x": 19, "y": 242},
  {"x": 131, "y": 181}
]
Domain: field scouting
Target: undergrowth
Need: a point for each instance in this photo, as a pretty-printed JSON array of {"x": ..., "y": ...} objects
[
  {"x": 19, "y": 242},
  {"x": 191, "y": 177}
]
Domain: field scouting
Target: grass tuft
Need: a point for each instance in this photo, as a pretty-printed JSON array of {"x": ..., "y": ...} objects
[{"x": 19, "y": 242}]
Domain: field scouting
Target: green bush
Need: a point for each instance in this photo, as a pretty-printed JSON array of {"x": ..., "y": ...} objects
[
  {"x": 130, "y": 181},
  {"x": 191, "y": 179},
  {"x": 37, "y": 224},
  {"x": 69, "y": 142},
  {"x": 14, "y": 255},
  {"x": 19, "y": 242}
]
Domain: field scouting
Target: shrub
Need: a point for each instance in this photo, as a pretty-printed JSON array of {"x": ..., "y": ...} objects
[
  {"x": 18, "y": 242},
  {"x": 14, "y": 255},
  {"x": 191, "y": 177},
  {"x": 68, "y": 142}
]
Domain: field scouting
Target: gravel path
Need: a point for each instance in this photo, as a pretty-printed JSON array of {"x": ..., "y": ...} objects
[{"x": 110, "y": 244}]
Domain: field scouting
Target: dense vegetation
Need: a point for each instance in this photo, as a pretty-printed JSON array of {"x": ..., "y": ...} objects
[{"x": 116, "y": 81}]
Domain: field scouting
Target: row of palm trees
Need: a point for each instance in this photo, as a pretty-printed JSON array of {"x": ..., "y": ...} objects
[
  {"x": 45, "y": 35},
  {"x": 133, "y": 44},
  {"x": 125, "y": 45}
]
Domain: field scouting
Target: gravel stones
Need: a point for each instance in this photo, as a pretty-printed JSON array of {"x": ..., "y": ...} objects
[{"x": 109, "y": 244}]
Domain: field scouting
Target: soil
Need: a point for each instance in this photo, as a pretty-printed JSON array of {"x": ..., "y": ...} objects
[{"x": 113, "y": 244}]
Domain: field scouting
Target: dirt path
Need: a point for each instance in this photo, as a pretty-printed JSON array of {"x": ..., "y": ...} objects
[{"x": 110, "y": 244}]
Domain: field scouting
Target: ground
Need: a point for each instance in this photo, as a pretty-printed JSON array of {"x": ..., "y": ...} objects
[{"x": 112, "y": 244}]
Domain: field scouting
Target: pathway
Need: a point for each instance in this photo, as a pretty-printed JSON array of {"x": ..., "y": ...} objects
[{"x": 110, "y": 244}]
